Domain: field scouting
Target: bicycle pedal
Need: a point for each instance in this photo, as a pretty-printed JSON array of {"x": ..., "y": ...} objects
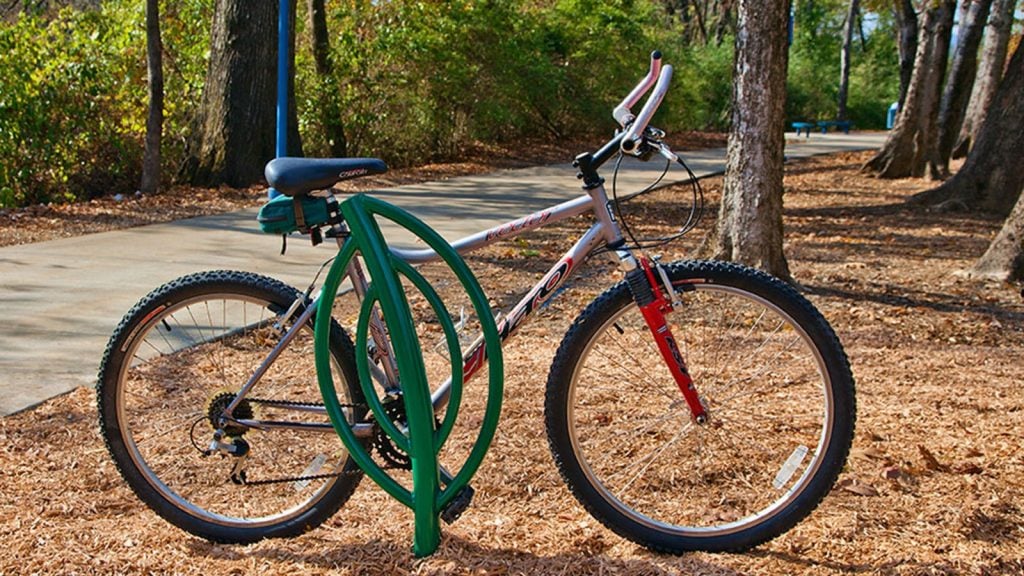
[{"x": 458, "y": 505}]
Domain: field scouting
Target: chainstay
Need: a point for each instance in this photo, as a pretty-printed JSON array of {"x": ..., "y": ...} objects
[
  {"x": 355, "y": 472},
  {"x": 298, "y": 404}
]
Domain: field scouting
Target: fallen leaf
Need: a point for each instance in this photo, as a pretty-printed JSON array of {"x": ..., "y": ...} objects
[
  {"x": 969, "y": 468},
  {"x": 891, "y": 472},
  {"x": 870, "y": 452},
  {"x": 930, "y": 461},
  {"x": 861, "y": 489}
]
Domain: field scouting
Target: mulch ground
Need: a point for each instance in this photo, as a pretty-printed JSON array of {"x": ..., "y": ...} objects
[{"x": 935, "y": 483}]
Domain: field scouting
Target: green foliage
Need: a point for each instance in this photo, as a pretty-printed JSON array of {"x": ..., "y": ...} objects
[
  {"x": 703, "y": 85},
  {"x": 419, "y": 80},
  {"x": 412, "y": 81},
  {"x": 813, "y": 82},
  {"x": 73, "y": 98},
  {"x": 874, "y": 80},
  {"x": 61, "y": 86}
]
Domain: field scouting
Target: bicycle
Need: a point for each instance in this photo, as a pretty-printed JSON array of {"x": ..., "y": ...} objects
[{"x": 695, "y": 405}]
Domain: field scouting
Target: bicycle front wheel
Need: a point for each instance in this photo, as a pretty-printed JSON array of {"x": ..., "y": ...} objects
[
  {"x": 172, "y": 367},
  {"x": 778, "y": 392}
]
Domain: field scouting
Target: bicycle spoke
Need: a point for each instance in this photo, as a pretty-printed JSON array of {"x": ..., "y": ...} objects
[
  {"x": 166, "y": 430},
  {"x": 661, "y": 478},
  {"x": 766, "y": 367},
  {"x": 650, "y": 459},
  {"x": 640, "y": 379}
]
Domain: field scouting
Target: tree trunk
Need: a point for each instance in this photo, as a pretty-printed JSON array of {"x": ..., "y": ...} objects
[
  {"x": 911, "y": 142},
  {"x": 990, "y": 71},
  {"x": 234, "y": 134},
  {"x": 955, "y": 96},
  {"x": 700, "y": 12},
  {"x": 1004, "y": 259},
  {"x": 155, "y": 82},
  {"x": 330, "y": 112},
  {"x": 844, "y": 58},
  {"x": 991, "y": 178},
  {"x": 907, "y": 18},
  {"x": 749, "y": 228},
  {"x": 723, "y": 20}
]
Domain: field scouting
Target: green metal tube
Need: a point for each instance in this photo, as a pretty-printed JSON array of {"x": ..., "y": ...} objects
[
  {"x": 419, "y": 411},
  {"x": 424, "y": 442}
]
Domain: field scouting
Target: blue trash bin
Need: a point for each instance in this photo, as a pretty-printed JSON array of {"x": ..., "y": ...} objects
[{"x": 890, "y": 118}]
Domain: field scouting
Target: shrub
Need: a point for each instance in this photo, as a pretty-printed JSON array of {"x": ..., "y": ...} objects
[
  {"x": 63, "y": 84},
  {"x": 73, "y": 98}
]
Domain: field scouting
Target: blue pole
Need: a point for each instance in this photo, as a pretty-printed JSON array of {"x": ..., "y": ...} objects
[
  {"x": 283, "y": 49},
  {"x": 283, "y": 46}
]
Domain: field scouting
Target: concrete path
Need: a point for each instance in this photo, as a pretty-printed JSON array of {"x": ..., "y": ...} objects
[{"x": 61, "y": 299}]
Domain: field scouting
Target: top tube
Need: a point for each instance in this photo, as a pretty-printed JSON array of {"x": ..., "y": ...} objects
[{"x": 594, "y": 201}]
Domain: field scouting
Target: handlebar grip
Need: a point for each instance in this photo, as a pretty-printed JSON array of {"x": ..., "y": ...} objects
[
  {"x": 635, "y": 131},
  {"x": 622, "y": 113}
]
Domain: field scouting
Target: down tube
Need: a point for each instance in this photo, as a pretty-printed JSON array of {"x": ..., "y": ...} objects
[{"x": 555, "y": 278}]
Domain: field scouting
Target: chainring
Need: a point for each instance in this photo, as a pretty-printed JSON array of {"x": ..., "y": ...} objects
[{"x": 393, "y": 456}]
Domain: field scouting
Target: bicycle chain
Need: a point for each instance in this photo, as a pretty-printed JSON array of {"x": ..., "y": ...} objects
[{"x": 355, "y": 472}]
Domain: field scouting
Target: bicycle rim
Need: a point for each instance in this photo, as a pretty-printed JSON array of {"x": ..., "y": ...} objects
[
  {"x": 768, "y": 393},
  {"x": 190, "y": 359}
]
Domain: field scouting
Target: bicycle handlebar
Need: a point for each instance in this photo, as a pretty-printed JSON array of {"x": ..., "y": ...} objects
[
  {"x": 634, "y": 132},
  {"x": 622, "y": 113}
]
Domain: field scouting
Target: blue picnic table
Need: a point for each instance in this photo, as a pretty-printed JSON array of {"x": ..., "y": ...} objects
[
  {"x": 843, "y": 125},
  {"x": 804, "y": 127}
]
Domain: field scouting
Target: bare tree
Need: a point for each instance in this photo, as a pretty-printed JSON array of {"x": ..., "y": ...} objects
[
  {"x": 844, "y": 57},
  {"x": 991, "y": 178},
  {"x": 749, "y": 228},
  {"x": 911, "y": 143},
  {"x": 990, "y": 71},
  {"x": 701, "y": 18},
  {"x": 234, "y": 133},
  {"x": 330, "y": 113},
  {"x": 957, "y": 92},
  {"x": 906, "y": 16},
  {"x": 1004, "y": 259},
  {"x": 155, "y": 119}
]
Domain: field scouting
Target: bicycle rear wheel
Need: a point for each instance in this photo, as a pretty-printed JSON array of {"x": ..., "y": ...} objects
[
  {"x": 778, "y": 392},
  {"x": 170, "y": 369}
]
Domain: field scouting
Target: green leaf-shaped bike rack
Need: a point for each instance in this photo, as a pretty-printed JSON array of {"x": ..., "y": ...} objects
[{"x": 424, "y": 439}]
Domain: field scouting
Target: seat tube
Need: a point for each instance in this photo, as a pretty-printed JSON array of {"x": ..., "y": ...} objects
[{"x": 382, "y": 346}]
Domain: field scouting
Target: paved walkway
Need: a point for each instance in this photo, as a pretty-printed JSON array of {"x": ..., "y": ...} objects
[{"x": 61, "y": 299}]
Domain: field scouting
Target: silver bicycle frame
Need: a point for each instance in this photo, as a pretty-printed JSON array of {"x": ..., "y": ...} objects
[{"x": 604, "y": 231}]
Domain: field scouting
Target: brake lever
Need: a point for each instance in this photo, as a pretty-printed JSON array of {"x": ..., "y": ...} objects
[{"x": 667, "y": 152}]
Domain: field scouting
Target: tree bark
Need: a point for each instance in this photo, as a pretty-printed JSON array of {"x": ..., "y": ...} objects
[
  {"x": 330, "y": 112},
  {"x": 1004, "y": 259},
  {"x": 957, "y": 92},
  {"x": 911, "y": 142},
  {"x": 991, "y": 178},
  {"x": 749, "y": 228},
  {"x": 235, "y": 131},
  {"x": 907, "y": 18},
  {"x": 844, "y": 58},
  {"x": 990, "y": 71},
  {"x": 155, "y": 119}
]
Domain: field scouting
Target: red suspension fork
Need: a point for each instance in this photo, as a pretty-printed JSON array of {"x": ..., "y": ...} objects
[{"x": 652, "y": 303}]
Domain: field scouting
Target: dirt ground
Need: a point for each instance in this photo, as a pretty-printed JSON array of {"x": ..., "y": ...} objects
[{"x": 934, "y": 485}]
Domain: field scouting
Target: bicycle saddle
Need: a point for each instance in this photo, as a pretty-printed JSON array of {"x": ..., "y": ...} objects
[{"x": 298, "y": 176}]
